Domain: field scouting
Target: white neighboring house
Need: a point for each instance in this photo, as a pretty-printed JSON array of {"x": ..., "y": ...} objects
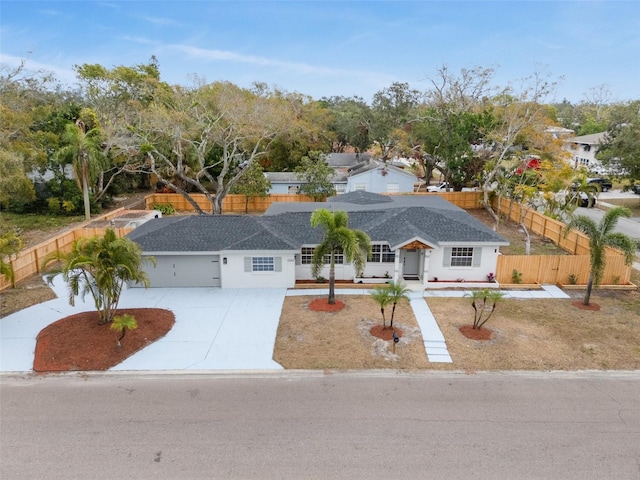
[
  {"x": 583, "y": 151},
  {"x": 418, "y": 238},
  {"x": 353, "y": 172}
]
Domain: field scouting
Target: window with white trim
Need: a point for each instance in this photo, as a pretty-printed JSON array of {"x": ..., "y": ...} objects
[
  {"x": 306, "y": 257},
  {"x": 461, "y": 256},
  {"x": 338, "y": 257},
  {"x": 360, "y": 187},
  {"x": 381, "y": 253},
  {"x": 262, "y": 264}
]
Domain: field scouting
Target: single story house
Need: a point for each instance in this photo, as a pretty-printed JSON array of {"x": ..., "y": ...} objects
[
  {"x": 353, "y": 173},
  {"x": 416, "y": 238}
]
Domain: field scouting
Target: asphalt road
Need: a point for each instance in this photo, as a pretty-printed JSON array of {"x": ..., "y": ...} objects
[{"x": 302, "y": 425}]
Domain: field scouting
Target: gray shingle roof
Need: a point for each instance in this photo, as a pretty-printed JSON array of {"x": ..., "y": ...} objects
[{"x": 286, "y": 226}]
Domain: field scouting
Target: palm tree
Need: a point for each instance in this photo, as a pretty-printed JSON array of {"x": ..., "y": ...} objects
[
  {"x": 380, "y": 295},
  {"x": 10, "y": 244},
  {"x": 481, "y": 299},
  {"x": 122, "y": 323},
  {"x": 397, "y": 291},
  {"x": 355, "y": 245},
  {"x": 83, "y": 150},
  {"x": 600, "y": 237},
  {"x": 100, "y": 266}
]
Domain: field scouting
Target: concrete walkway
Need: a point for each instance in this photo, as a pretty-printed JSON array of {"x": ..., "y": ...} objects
[{"x": 215, "y": 329}]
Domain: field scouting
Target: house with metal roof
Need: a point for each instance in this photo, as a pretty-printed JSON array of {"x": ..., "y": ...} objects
[{"x": 418, "y": 238}]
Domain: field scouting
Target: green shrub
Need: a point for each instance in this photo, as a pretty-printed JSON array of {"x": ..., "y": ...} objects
[
  {"x": 165, "y": 209},
  {"x": 516, "y": 276},
  {"x": 54, "y": 206}
]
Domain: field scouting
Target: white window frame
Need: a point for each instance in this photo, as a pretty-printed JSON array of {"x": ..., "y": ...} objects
[
  {"x": 263, "y": 264},
  {"x": 306, "y": 255},
  {"x": 462, "y": 256},
  {"x": 381, "y": 253}
]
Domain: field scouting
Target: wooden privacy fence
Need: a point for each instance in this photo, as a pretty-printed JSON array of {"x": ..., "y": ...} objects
[
  {"x": 231, "y": 204},
  {"x": 547, "y": 269},
  {"x": 29, "y": 261},
  {"x": 551, "y": 269}
]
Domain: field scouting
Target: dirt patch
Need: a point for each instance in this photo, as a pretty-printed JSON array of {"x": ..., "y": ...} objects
[
  {"x": 30, "y": 292},
  {"x": 342, "y": 340},
  {"x": 515, "y": 234},
  {"x": 78, "y": 343}
]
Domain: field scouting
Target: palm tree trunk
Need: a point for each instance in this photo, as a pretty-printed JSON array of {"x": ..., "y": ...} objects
[
  {"x": 332, "y": 282},
  {"x": 85, "y": 195},
  {"x": 587, "y": 295}
]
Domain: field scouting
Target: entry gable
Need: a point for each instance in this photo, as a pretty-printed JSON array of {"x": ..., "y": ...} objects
[{"x": 414, "y": 243}]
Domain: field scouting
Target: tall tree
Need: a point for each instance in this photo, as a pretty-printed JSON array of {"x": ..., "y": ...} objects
[
  {"x": 620, "y": 150},
  {"x": 100, "y": 266},
  {"x": 351, "y": 123},
  {"x": 519, "y": 114},
  {"x": 601, "y": 236},
  {"x": 392, "y": 112},
  {"x": 316, "y": 174},
  {"x": 338, "y": 237},
  {"x": 204, "y": 137},
  {"x": 83, "y": 150},
  {"x": 454, "y": 120}
]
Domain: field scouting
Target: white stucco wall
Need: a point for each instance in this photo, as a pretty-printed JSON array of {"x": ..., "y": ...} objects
[
  {"x": 488, "y": 263},
  {"x": 233, "y": 273}
]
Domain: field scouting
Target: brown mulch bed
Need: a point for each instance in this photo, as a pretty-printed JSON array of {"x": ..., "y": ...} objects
[
  {"x": 385, "y": 333},
  {"x": 592, "y": 307},
  {"x": 476, "y": 333},
  {"x": 78, "y": 343},
  {"x": 323, "y": 305}
]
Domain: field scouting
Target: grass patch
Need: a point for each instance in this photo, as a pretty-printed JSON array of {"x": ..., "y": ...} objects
[{"x": 33, "y": 221}]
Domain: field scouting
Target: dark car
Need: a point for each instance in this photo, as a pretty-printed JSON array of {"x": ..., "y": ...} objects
[
  {"x": 603, "y": 184},
  {"x": 636, "y": 188}
]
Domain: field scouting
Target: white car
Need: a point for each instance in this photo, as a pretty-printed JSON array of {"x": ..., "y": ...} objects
[{"x": 441, "y": 187}]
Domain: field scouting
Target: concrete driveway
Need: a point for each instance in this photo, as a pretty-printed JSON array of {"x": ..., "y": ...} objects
[{"x": 215, "y": 329}]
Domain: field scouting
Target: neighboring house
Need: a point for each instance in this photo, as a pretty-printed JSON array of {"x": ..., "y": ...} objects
[
  {"x": 423, "y": 238},
  {"x": 583, "y": 151},
  {"x": 353, "y": 172}
]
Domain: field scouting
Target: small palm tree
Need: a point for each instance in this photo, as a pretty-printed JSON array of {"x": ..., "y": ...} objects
[
  {"x": 100, "y": 266},
  {"x": 601, "y": 236},
  {"x": 380, "y": 295},
  {"x": 10, "y": 244},
  {"x": 122, "y": 323},
  {"x": 481, "y": 299},
  {"x": 355, "y": 245},
  {"x": 397, "y": 292}
]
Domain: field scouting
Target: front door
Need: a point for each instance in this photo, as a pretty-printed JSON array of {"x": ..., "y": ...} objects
[{"x": 410, "y": 263}]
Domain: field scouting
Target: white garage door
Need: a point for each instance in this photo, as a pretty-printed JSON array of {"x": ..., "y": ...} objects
[{"x": 185, "y": 271}]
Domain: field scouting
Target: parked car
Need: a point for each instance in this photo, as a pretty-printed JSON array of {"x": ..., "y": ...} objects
[
  {"x": 636, "y": 188},
  {"x": 585, "y": 200},
  {"x": 441, "y": 187},
  {"x": 603, "y": 184}
]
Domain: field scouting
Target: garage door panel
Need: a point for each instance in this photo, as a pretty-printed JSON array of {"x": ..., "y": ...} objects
[{"x": 185, "y": 271}]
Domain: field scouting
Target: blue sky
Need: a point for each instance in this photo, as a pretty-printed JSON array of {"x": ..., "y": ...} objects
[{"x": 326, "y": 48}]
